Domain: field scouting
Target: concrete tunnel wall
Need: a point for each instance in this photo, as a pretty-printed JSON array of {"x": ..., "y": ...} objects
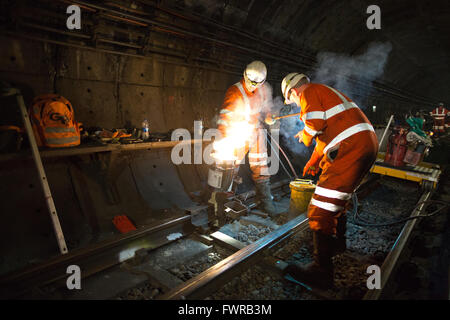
[
  {"x": 113, "y": 91},
  {"x": 106, "y": 91}
]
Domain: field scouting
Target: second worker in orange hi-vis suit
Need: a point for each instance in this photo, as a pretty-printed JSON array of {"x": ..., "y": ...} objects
[
  {"x": 346, "y": 148},
  {"x": 245, "y": 102}
]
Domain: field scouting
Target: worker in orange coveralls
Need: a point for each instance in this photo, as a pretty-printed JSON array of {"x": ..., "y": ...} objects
[
  {"x": 245, "y": 101},
  {"x": 439, "y": 114},
  {"x": 346, "y": 148}
]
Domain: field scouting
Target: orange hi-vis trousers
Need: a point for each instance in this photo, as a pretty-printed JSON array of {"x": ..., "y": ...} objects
[
  {"x": 257, "y": 155},
  {"x": 339, "y": 179}
]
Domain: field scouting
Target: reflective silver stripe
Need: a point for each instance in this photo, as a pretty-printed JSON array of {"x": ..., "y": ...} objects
[
  {"x": 222, "y": 122},
  {"x": 335, "y": 194},
  {"x": 59, "y": 129},
  {"x": 314, "y": 115},
  {"x": 310, "y": 131},
  {"x": 257, "y": 155},
  {"x": 347, "y": 133},
  {"x": 225, "y": 111},
  {"x": 62, "y": 140},
  {"x": 324, "y": 115},
  {"x": 346, "y": 104},
  {"x": 258, "y": 163},
  {"x": 439, "y": 118},
  {"x": 326, "y": 205},
  {"x": 246, "y": 100},
  {"x": 437, "y": 113},
  {"x": 339, "y": 108},
  {"x": 338, "y": 94}
]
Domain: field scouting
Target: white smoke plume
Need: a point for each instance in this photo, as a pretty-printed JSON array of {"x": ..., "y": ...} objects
[
  {"x": 289, "y": 127},
  {"x": 336, "y": 70},
  {"x": 339, "y": 71}
]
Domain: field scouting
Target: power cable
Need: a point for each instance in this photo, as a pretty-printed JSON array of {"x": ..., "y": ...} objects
[
  {"x": 357, "y": 219},
  {"x": 285, "y": 156},
  {"x": 282, "y": 164}
]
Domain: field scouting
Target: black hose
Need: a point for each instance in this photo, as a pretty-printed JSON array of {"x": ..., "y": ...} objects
[
  {"x": 285, "y": 156},
  {"x": 358, "y": 220},
  {"x": 282, "y": 164}
]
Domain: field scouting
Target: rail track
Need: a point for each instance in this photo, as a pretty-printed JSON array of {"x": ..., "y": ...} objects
[{"x": 145, "y": 264}]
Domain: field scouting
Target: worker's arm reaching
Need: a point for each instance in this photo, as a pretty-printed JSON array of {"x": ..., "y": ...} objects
[{"x": 312, "y": 166}]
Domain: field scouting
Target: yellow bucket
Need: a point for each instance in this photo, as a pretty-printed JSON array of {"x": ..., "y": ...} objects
[{"x": 301, "y": 192}]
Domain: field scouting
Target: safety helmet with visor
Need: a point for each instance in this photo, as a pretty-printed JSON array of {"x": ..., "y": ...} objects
[{"x": 255, "y": 74}]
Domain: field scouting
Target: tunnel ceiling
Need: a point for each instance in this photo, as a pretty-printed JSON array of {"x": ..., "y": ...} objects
[
  {"x": 288, "y": 35},
  {"x": 418, "y": 31}
]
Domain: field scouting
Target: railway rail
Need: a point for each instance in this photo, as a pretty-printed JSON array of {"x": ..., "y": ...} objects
[{"x": 128, "y": 252}]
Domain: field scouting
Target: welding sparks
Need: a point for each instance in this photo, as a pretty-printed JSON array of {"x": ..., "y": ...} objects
[{"x": 237, "y": 135}]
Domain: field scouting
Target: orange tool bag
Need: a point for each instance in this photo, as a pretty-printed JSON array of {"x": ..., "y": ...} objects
[{"x": 53, "y": 122}]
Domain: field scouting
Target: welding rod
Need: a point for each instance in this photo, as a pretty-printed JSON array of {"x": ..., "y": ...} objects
[
  {"x": 287, "y": 116},
  {"x": 270, "y": 119}
]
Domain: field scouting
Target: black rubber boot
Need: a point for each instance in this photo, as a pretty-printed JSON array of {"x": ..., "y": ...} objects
[
  {"x": 264, "y": 194},
  {"x": 340, "y": 244},
  {"x": 319, "y": 273}
]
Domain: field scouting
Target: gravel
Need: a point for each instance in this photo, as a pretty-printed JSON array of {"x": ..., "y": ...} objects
[
  {"x": 392, "y": 200},
  {"x": 190, "y": 269},
  {"x": 144, "y": 292},
  {"x": 247, "y": 234},
  {"x": 367, "y": 246}
]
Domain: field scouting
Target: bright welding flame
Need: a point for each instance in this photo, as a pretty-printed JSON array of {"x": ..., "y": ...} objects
[{"x": 238, "y": 133}]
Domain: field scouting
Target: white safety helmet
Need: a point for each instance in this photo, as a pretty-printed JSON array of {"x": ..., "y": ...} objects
[
  {"x": 255, "y": 74},
  {"x": 289, "y": 82}
]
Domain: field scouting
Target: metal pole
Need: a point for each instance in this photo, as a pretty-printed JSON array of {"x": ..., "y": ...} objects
[
  {"x": 385, "y": 131},
  {"x": 42, "y": 177}
]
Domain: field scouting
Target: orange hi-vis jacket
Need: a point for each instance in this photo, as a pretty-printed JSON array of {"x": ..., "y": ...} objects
[
  {"x": 242, "y": 105},
  {"x": 439, "y": 115},
  {"x": 347, "y": 144},
  {"x": 329, "y": 116}
]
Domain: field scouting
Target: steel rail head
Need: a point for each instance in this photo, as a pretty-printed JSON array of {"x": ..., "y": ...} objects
[
  {"x": 207, "y": 282},
  {"x": 91, "y": 258},
  {"x": 390, "y": 263}
]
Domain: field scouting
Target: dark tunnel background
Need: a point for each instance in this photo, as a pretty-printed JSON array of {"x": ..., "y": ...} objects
[{"x": 171, "y": 61}]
